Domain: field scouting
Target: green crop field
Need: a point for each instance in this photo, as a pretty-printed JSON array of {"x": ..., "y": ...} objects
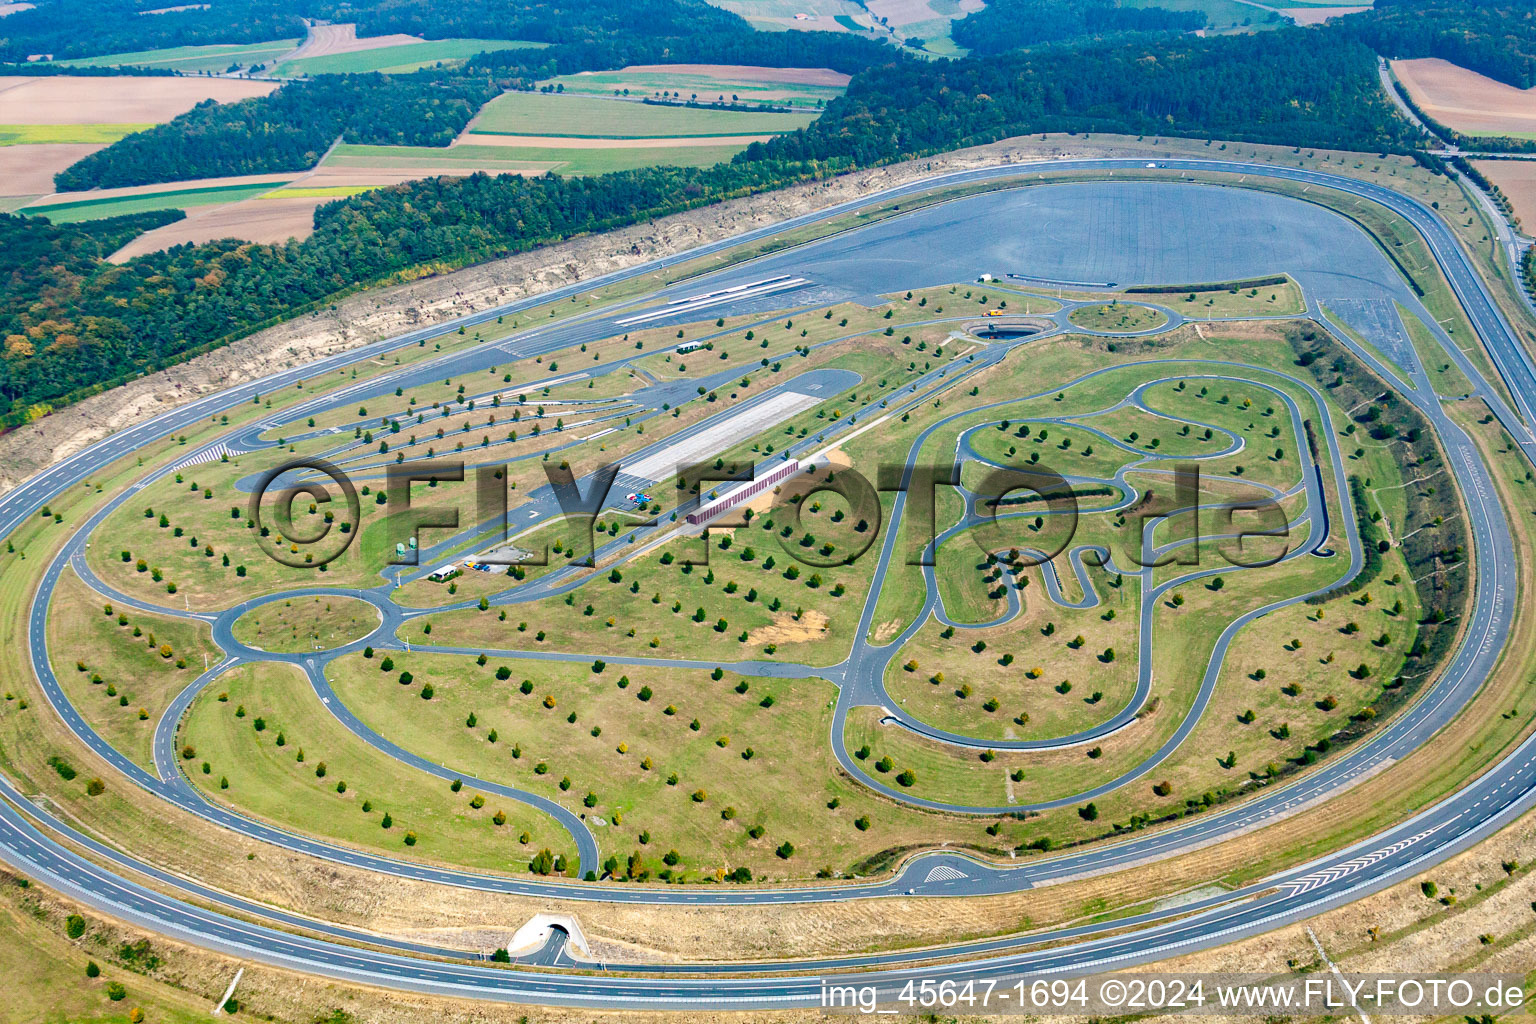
[
  {"x": 398, "y": 59},
  {"x": 588, "y": 117},
  {"x": 192, "y": 59}
]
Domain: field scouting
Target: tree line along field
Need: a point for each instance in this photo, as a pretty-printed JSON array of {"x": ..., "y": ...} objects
[
  {"x": 470, "y": 156},
  {"x": 590, "y": 117}
]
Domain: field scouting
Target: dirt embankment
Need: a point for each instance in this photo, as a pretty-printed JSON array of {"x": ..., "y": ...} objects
[{"x": 380, "y": 313}]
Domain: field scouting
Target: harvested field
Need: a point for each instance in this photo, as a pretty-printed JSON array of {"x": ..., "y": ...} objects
[
  {"x": 115, "y": 99},
  {"x": 578, "y": 142},
  {"x": 1517, "y": 180},
  {"x": 29, "y": 170},
  {"x": 256, "y": 220},
  {"x": 1465, "y": 100}
]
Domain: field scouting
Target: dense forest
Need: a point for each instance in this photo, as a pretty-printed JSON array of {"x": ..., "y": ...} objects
[
  {"x": 1291, "y": 86},
  {"x": 1496, "y": 38},
  {"x": 1005, "y": 25},
  {"x": 289, "y": 129}
]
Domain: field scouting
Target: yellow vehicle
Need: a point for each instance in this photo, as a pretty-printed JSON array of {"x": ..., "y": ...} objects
[{"x": 994, "y": 312}]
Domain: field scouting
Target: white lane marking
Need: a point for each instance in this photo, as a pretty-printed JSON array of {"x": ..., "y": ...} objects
[{"x": 944, "y": 873}]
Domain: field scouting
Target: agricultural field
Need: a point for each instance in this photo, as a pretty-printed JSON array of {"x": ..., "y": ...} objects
[
  {"x": 925, "y": 21},
  {"x": 535, "y": 133},
  {"x": 1466, "y": 101},
  {"x": 1517, "y": 180},
  {"x": 194, "y": 60},
  {"x": 795, "y": 87},
  {"x": 805, "y": 15},
  {"x": 78, "y": 134},
  {"x": 48, "y": 123},
  {"x": 129, "y": 99},
  {"x": 586, "y": 117},
  {"x": 531, "y": 157},
  {"x": 399, "y": 58},
  {"x": 65, "y": 210}
]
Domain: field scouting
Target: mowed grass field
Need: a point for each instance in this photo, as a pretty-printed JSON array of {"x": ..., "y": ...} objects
[
  {"x": 588, "y": 117},
  {"x": 397, "y": 59},
  {"x": 191, "y": 59}
]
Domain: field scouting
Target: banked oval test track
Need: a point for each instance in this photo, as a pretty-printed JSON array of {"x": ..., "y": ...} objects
[{"x": 1438, "y": 832}]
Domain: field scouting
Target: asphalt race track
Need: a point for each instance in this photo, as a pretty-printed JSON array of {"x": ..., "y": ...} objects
[{"x": 863, "y": 263}]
